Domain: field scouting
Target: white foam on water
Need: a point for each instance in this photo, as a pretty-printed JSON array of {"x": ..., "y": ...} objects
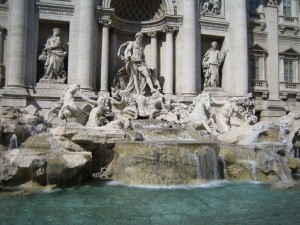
[
  {"x": 211, "y": 184},
  {"x": 51, "y": 190}
]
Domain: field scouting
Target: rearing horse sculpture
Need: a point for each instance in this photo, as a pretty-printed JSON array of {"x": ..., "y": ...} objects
[{"x": 198, "y": 111}]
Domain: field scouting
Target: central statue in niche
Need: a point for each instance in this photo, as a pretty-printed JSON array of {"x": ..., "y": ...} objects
[{"x": 135, "y": 76}]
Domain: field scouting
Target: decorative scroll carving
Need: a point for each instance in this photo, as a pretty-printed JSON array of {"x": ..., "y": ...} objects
[
  {"x": 105, "y": 22},
  {"x": 152, "y": 34},
  {"x": 170, "y": 28}
]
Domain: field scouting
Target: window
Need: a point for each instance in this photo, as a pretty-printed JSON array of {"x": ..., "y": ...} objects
[
  {"x": 288, "y": 71},
  {"x": 287, "y": 8},
  {"x": 253, "y": 5},
  {"x": 255, "y": 68},
  {"x": 289, "y": 66}
]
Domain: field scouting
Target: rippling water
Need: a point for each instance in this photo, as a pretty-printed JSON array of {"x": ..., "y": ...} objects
[{"x": 217, "y": 203}]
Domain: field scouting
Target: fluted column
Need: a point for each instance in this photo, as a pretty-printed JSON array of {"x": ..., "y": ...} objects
[
  {"x": 17, "y": 43},
  {"x": 153, "y": 66},
  {"x": 85, "y": 44},
  {"x": 187, "y": 80},
  {"x": 2, "y": 74},
  {"x": 169, "y": 72},
  {"x": 105, "y": 56},
  {"x": 238, "y": 48}
]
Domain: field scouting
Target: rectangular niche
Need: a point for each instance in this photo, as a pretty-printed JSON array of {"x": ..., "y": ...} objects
[
  {"x": 206, "y": 41},
  {"x": 46, "y": 28}
]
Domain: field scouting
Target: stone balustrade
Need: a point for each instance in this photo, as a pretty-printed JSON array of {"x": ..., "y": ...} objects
[{"x": 289, "y": 87}]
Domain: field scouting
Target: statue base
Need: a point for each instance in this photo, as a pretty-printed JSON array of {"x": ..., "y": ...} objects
[
  {"x": 217, "y": 93},
  {"x": 52, "y": 81}
]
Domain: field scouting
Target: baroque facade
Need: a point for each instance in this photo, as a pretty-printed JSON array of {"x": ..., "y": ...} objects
[{"x": 260, "y": 40}]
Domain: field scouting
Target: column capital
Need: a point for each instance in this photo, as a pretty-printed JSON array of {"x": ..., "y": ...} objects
[
  {"x": 152, "y": 34},
  {"x": 170, "y": 28},
  {"x": 105, "y": 22}
]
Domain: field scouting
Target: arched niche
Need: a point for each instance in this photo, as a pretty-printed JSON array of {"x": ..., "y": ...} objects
[{"x": 167, "y": 3}]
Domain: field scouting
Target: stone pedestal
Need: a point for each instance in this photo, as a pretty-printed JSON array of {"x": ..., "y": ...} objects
[{"x": 275, "y": 109}]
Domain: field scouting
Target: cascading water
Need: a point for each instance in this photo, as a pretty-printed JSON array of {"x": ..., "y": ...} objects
[
  {"x": 13, "y": 142},
  {"x": 225, "y": 170},
  {"x": 207, "y": 165},
  {"x": 166, "y": 163},
  {"x": 247, "y": 157}
]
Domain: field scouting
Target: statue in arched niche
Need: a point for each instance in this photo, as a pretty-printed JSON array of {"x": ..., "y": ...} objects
[
  {"x": 136, "y": 75},
  {"x": 53, "y": 56}
]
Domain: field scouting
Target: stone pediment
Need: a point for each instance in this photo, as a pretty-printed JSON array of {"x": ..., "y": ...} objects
[
  {"x": 256, "y": 48},
  {"x": 290, "y": 52}
]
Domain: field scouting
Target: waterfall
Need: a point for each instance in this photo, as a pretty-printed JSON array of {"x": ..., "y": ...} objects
[
  {"x": 225, "y": 171},
  {"x": 13, "y": 142},
  {"x": 207, "y": 165},
  {"x": 166, "y": 162},
  {"x": 247, "y": 157},
  {"x": 53, "y": 173}
]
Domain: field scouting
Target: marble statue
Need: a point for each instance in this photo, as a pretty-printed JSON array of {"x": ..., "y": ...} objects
[
  {"x": 97, "y": 116},
  {"x": 198, "y": 111},
  {"x": 211, "y": 66},
  {"x": 132, "y": 52},
  {"x": 211, "y": 7},
  {"x": 53, "y": 56},
  {"x": 66, "y": 109},
  {"x": 223, "y": 114}
]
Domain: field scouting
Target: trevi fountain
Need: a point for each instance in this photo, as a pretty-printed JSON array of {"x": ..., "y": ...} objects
[{"x": 140, "y": 156}]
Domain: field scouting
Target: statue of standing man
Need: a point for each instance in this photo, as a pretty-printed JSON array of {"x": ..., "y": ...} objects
[
  {"x": 135, "y": 65},
  {"x": 211, "y": 66}
]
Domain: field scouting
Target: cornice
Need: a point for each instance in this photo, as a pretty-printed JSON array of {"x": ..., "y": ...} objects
[
  {"x": 214, "y": 25},
  {"x": 55, "y": 9}
]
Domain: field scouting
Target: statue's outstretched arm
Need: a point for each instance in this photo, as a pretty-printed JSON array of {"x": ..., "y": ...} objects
[{"x": 87, "y": 99}]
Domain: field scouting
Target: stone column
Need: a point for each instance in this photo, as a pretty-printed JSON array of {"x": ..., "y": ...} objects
[
  {"x": 273, "y": 51},
  {"x": 190, "y": 62},
  {"x": 2, "y": 72},
  {"x": 105, "y": 57},
  {"x": 113, "y": 53},
  {"x": 238, "y": 48},
  {"x": 153, "y": 66},
  {"x": 169, "y": 73},
  {"x": 18, "y": 18},
  {"x": 85, "y": 44}
]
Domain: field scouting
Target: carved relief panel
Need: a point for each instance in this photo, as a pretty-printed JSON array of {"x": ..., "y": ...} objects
[{"x": 214, "y": 8}]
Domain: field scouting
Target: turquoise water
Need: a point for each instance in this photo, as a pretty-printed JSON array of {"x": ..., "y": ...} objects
[{"x": 227, "y": 203}]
